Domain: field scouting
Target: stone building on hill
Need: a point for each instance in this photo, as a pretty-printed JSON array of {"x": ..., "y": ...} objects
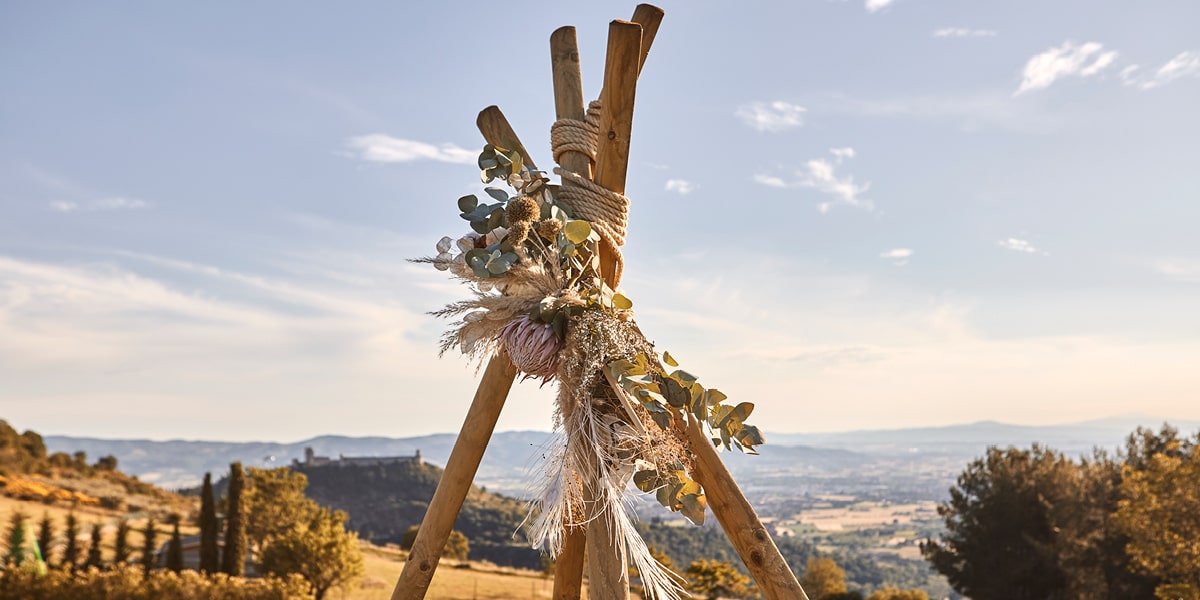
[{"x": 312, "y": 460}]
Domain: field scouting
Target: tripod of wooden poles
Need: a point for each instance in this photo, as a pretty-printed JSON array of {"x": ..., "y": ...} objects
[{"x": 628, "y": 46}]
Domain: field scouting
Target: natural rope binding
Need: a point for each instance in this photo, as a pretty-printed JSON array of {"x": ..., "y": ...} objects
[{"x": 606, "y": 210}]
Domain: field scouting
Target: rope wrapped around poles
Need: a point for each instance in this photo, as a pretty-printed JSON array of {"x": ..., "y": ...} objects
[{"x": 606, "y": 210}]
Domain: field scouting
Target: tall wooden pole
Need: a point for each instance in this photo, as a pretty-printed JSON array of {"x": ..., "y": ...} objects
[
  {"x": 568, "y": 104},
  {"x": 608, "y": 573},
  {"x": 476, "y": 430},
  {"x": 741, "y": 524},
  {"x": 456, "y": 480}
]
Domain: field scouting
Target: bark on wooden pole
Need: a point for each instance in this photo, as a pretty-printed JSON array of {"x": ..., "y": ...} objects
[{"x": 456, "y": 480}]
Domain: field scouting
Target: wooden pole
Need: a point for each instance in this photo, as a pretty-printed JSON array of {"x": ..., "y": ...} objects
[
  {"x": 568, "y": 104},
  {"x": 649, "y": 17},
  {"x": 476, "y": 430},
  {"x": 456, "y": 480},
  {"x": 741, "y": 524},
  {"x": 497, "y": 132},
  {"x": 608, "y": 576}
]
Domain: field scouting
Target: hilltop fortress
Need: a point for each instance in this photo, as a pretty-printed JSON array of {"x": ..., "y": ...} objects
[{"x": 312, "y": 460}]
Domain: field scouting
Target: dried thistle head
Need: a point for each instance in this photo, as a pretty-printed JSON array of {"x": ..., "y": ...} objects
[
  {"x": 549, "y": 228},
  {"x": 518, "y": 232},
  {"x": 522, "y": 210}
]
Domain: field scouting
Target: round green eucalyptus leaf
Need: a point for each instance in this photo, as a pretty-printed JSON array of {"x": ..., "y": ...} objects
[
  {"x": 577, "y": 231},
  {"x": 468, "y": 203}
]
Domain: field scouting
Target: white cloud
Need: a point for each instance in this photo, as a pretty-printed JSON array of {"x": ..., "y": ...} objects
[
  {"x": 898, "y": 256},
  {"x": 1126, "y": 74},
  {"x": 821, "y": 174},
  {"x": 959, "y": 32},
  {"x": 680, "y": 186},
  {"x": 1185, "y": 64},
  {"x": 771, "y": 116},
  {"x": 842, "y": 153},
  {"x": 874, "y": 6},
  {"x": 378, "y": 147},
  {"x": 112, "y": 203},
  {"x": 63, "y": 206},
  {"x": 1066, "y": 60},
  {"x": 1020, "y": 245},
  {"x": 770, "y": 181},
  {"x": 1178, "y": 269}
]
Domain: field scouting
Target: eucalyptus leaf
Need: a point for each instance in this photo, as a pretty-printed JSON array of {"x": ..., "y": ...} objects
[
  {"x": 577, "y": 231},
  {"x": 621, "y": 302},
  {"x": 675, "y": 394},
  {"x": 496, "y": 219},
  {"x": 742, "y": 411},
  {"x": 468, "y": 203},
  {"x": 663, "y": 495},
  {"x": 497, "y": 193},
  {"x": 750, "y": 436},
  {"x": 646, "y": 480},
  {"x": 683, "y": 377},
  {"x": 662, "y": 419},
  {"x": 714, "y": 397}
]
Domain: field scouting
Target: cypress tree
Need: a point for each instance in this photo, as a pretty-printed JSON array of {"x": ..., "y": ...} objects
[
  {"x": 149, "y": 547},
  {"x": 234, "y": 559},
  {"x": 46, "y": 537},
  {"x": 209, "y": 559},
  {"x": 121, "y": 548},
  {"x": 93, "y": 553},
  {"x": 17, "y": 553},
  {"x": 72, "y": 550},
  {"x": 175, "y": 549}
]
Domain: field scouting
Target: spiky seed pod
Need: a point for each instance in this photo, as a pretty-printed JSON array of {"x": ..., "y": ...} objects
[
  {"x": 549, "y": 228},
  {"x": 518, "y": 232},
  {"x": 532, "y": 346},
  {"x": 522, "y": 210}
]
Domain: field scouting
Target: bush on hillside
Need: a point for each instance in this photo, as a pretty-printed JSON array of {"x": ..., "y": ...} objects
[{"x": 128, "y": 583}]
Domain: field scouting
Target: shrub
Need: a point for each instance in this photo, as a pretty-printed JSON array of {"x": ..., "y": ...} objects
[{"x": 128, "y": 583}]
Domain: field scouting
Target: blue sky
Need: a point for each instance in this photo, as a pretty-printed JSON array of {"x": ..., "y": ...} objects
[{"x": 855, "y": 215}]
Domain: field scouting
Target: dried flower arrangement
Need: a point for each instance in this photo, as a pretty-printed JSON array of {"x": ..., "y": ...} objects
[{"x": 538, "y": 293}]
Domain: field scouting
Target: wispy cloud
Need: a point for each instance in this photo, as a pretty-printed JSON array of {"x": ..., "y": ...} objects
[
  {"x": 1185, "y": 64},
  {"x": 1178, "y": 269},
  {"x": 1127, "y": 74},
  {"x": 898, "y": 256},
  {"x": 874, "y": 6},
  {"x": 379, "y": 147},
  {"x": 821, "y": 174},
  {"x": 680, "y": 186},
  {"x": 961, "y": 32},
  {"x": 99, "y": 204},
  {"x": 771, "y": 116},
  {"x": 1067, "y": 60},
  {"x": 1020, "y": 245}
]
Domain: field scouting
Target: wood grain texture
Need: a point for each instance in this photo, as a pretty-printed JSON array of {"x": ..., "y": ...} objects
[
  {"x": 649, "y": 17},
  {"x": 608, "y": 577},
  {"x": 568, "y": 92},
  {"x": 456, "y": 479},
  {"x": 568, "y": 104},
  {"x": 496, "y": 130},
  {"x": 741, "y": 524},
  {"x": 620, "y": 90}
]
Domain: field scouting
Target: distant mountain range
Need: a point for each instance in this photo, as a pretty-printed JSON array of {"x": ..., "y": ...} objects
[{"x": 510, "y": 455}]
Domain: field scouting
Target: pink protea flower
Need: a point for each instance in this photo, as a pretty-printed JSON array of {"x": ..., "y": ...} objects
[{"x": 532, "y": 346}]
